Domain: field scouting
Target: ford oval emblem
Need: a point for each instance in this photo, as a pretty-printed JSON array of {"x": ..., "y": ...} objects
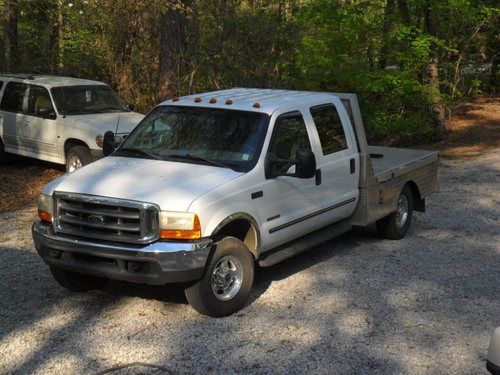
[{"x": 96, "y": 219}]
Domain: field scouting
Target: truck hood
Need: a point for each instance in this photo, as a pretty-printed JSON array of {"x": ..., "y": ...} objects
[
  {"x": 171, "y": 185},
  {"x": 106, "y": 121}
]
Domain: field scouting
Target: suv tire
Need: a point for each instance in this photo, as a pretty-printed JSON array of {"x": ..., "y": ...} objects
[
  {"x": 77, "y": 157},
  {"x": 227, "y": 282},
  {"x": 395, "y": 225},
  {"x": 75, "y": 281}
]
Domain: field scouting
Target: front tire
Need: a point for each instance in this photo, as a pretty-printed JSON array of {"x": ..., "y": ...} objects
[
  {"x": 227, "y": 282},
  {"x": 77, "y": 157},
  {"x": 77, "y": 282},
  {"x": 395, "y": 226}
]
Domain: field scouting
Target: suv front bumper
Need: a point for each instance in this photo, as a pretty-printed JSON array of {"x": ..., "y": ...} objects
[{"x": 158, "y": 263}]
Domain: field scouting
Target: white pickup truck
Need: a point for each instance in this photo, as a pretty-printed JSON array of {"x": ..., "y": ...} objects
[
  {"x": 207, "y": 186},
  {"x": 60, "y": 119}
]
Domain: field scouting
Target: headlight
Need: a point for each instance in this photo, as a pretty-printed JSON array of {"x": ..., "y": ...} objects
[
  {"x": 99, "y": 140},
  {"x": 179, "y": 225},
  {"x": 45, "y": 207}
]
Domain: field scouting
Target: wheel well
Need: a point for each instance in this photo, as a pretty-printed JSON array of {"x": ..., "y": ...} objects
[
  {"x": 243, "y": 230},
  {"x": 73, "y": 142},
  {"x": 418, "y": 202}
]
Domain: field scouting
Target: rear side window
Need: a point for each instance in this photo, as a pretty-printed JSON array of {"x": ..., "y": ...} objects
[
  {"x": 330, "y": 129},
  {"x": 13, "y": 97},
  {"x": 290, "y": 134}
]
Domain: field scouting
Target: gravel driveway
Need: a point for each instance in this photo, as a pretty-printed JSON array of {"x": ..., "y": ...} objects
[{"x": 423, "y": 305}]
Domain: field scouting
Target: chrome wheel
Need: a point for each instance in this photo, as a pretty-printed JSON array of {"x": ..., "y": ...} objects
[
  {"x": 402, "y": 211},
  {"x": 227, "y": 278},
  {"x": 73, "y": 163}
]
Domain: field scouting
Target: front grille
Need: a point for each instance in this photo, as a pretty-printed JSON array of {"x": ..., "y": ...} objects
[{"x": 105, "y": 218}]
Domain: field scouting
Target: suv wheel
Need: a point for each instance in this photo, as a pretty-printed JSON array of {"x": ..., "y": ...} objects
[
  {"x": 395, "y": 226},
  {"x": 227, "y": 282},
  {"x": 77, "y": 157},
  {"x": 77, "y": 282}
]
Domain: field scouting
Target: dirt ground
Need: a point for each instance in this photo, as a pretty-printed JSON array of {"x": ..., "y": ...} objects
[
  {"x": 473, "y": 130},
  {"x": 424, "y": 305}
]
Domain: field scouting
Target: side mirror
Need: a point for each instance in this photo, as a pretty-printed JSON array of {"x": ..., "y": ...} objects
[
  {"x": 46, "y": 113},
  {"x": 131, "y": 106},
  {"x": 305, "y": 166},
  {"x": 108, "y": 143}
]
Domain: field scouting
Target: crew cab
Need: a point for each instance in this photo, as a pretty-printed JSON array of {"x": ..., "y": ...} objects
[
  {"x": 60, "y": 119},
  {"x": 208, "y": 186}
]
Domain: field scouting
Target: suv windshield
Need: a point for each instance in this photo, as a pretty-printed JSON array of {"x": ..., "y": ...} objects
[
  {"x": 218, "y": 137},
  {"x": 73, "y": 100}
]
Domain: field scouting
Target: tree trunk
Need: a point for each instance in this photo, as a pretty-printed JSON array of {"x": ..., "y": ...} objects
[
  {"x": 404, "y": 12},
  {"x": 170, "y": 50},
  {"x": 10, "y": 34},
  {"x": 432, "y": 78},
  {"x": 386, "y": 28}
]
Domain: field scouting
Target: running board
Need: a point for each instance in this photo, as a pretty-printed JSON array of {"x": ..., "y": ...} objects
[{"x": 304, "y": 243}]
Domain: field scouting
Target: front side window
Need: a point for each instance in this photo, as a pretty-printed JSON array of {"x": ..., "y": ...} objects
[
  {"x": 330, "y": 129},
  {"x": 226, "y": 138},
  {"x": 39, "y": 103},
  {"x": 87, "y": 99},
  {"x": 13, "y": 97},
  {"x": 290, "y": 134}
]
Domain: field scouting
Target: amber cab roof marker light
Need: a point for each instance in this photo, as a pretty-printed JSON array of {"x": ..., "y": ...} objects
[
  {"x": 229, "y": 102},
  {"x": 197, "y": 99},
  {"x": 212, "y": 101},
  {"x": 175, "y": 99},
  {"x": 256, "y": 105}
]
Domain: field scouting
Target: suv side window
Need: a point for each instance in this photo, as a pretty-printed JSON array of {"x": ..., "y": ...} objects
[
  {"x": 38, "y": 99},
  {"x": 290, "y": 134},
  {"x": 13, "y": 97},
  {"x": 330, "y": 129}
]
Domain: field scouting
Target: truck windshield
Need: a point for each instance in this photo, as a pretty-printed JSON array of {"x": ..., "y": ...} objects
[
  {"x": 76, "y": 100},
  {"x": 210, "y": 136}
]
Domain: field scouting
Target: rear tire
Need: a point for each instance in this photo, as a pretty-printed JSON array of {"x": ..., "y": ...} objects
[
  {"x": 227, "y": 282},
  {"x": 77, "y": 282},
  {"x": 395, "y": 226},
  {"x": 77, "y": 157}
]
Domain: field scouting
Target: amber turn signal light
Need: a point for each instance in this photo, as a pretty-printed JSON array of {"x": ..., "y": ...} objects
[{"x": 45, "y": 216}]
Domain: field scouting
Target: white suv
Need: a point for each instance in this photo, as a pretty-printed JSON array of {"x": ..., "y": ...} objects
[{"x": 60, "y": 119}]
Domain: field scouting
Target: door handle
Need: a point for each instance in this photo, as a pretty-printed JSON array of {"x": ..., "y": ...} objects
[{"x": 352, "y": 165}]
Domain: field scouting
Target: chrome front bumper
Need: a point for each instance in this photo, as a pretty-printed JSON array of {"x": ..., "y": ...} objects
[{"x": 157, "y": 263}]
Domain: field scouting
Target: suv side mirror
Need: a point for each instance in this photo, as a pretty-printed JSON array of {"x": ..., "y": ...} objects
[
  {"x": 131, "y": 106},
  {"x": 305, "y": 167},
  {"x": 46, "y": 113},
  {"x": 108, "y": 143}
]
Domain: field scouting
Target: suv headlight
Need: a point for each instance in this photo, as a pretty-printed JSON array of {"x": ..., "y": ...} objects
[
  {"x": 45, "y": 207},
  {"x": 179, "y": 225}
]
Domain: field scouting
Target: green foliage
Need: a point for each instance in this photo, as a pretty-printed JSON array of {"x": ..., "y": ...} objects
[{"x": 361, "y": 46}]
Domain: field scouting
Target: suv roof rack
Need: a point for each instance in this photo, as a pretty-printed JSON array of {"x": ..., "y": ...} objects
[{"x": 20, "y": 76}]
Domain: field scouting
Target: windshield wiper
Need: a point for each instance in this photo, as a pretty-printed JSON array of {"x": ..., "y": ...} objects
[
  {"x": 139, "y": 151},
  {"x": 199, "y": 158}
]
